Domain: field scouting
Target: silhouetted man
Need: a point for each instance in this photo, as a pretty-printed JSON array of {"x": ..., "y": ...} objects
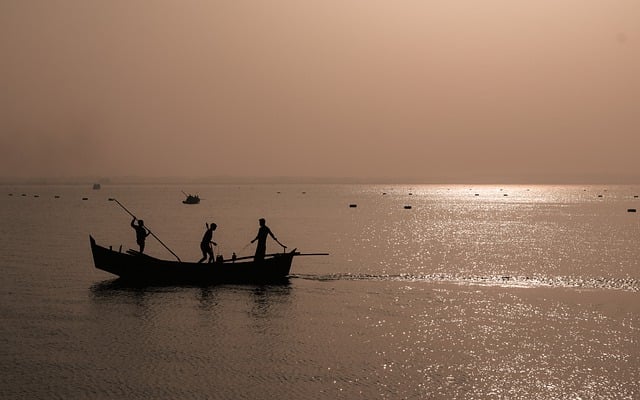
[
  {"x": 207, "y": 241},
  {"x": 141, "y": 232},
  {"x": 261, "y": 237}
]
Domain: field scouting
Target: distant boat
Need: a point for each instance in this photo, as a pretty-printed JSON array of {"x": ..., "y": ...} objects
[
  {"x": 96, "y": 186},
  {"x": 191, "y": 199},
  {"x": 134, "y": 266}
]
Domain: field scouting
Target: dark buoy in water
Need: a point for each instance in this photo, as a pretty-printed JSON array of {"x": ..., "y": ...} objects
[
  {"x": 635, "y": 197},
  {"x": 10, "y": 194},
  {"x": 477, "y": 194},
  {"x": 36, "y": 195},
  {"x": 85, "y": 198},
  {"x": 56, "y": 197},
  {"x": 407, "y": 207},
  {"x": 353, "y": 205},
  {"x": 631, "y": 210},
  {"x": 599, "y": 195}
]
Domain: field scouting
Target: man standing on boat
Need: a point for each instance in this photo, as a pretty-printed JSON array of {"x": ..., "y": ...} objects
[
  {"x": 261, "y": 237},
  {"x": 207, "y": 241},
  {"x": 141, "y": 232}
]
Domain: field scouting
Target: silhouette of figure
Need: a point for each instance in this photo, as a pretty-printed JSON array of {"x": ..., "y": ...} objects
[
  {"x": 207, "y": 241},
  {"x": 261, "y": 237},
  {"x": 141, "y": 232}
]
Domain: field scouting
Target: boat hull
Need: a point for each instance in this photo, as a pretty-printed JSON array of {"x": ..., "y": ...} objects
[{"x": 138, "y": 267}]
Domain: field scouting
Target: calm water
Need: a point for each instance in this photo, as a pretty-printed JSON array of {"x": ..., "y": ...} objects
[{"x": 475, "y": 292}]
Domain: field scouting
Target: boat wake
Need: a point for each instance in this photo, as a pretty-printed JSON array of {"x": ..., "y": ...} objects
[{"x": 626, "y": 284}]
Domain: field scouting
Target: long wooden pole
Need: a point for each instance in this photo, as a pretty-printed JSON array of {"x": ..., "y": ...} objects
[{"x": 152, "y": 234}]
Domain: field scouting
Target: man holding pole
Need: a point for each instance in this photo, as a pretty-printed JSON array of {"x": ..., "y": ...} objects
[
  {"x": 261, "y": 237},
  {"x": 141, "y": 232}
]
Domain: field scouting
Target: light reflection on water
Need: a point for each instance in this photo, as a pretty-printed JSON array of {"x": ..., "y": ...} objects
[
  {"x": 549, "y": 233},
  {"x": 502, "y": 280},
  {"x": 479, "y": 343}
]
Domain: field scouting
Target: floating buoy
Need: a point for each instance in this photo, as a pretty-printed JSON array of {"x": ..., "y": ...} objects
[
  {"x": 635, "y": 197},
  {"x": 407, "y": 207},
  {"x": 353, "y": 205},
  {"x": 631, "y": 210},
  {"x": 24, "y": 195},
  {"x": 36, "y": 195},
  {"x": 10, "y": 194},
  {"x": 85, "y": 198},
  {"x": 505, "y": 195},
  {"x": 477, "y": 194},
  {"x": 56, "y": 197},
  {"x": 599, "y": 195}
]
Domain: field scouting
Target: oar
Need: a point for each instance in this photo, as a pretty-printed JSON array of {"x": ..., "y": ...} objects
[{"x": 152, "y": 234}]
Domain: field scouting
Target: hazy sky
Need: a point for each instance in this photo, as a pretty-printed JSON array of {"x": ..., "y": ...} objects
[{"x": 434, "y": 90}]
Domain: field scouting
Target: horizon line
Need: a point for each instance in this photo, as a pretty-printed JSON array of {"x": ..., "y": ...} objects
[{"x": 565, "y": 179}]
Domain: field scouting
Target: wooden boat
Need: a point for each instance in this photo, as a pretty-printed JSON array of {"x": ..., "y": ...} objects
[
  {"x": 134, "y": 266},
  {"x": 191, "y": 199}
]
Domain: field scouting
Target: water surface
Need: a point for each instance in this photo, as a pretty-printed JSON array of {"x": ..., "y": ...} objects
[{"x": 472, "y": 293}]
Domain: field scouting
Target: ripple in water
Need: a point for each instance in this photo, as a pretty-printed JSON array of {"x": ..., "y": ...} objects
[{"x": 628, "y": 284}]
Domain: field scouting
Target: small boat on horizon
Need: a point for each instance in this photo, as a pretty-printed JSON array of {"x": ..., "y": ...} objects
[{"x": 191, "y": 199}]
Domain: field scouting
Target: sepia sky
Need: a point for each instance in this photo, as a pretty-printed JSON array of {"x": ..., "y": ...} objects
[{"x": 426, "y": 90}]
